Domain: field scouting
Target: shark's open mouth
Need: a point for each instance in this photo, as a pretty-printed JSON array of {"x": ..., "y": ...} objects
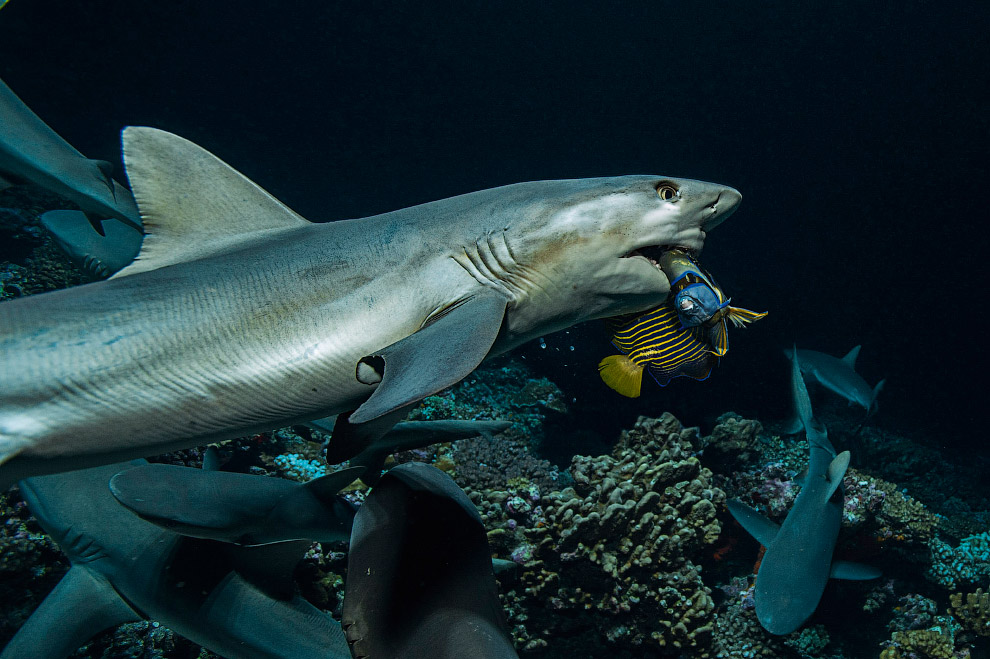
[{"x": 653, "y": 253}]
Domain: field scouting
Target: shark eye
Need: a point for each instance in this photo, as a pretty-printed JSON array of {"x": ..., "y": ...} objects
[{"x": 666, "y": 191}]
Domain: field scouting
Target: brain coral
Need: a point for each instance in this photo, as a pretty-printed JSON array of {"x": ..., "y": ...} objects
[{"x": 613, "y": 556}]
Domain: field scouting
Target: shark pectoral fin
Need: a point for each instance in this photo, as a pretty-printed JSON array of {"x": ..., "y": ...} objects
[
  {"x": 755, "y": 524},
  {"x": 192, "y": 203},
  {"x": 80, "y": 606},
  {"x": 325, "y": 488},
  {"x": 836, "y": 470},
  {"x": 850, "y": 358},
  {"x": 873, "y": 398},
  {"x": 106, "y": 175},
  {"x": 373, "y": 462},
  {"x": 853, "y": 571},
  {"x": 101, "y": 247},
  {"x": 269, "y": 567},
  {"x": 434, "y": 358},
  {"x": 792, "y": 426}
]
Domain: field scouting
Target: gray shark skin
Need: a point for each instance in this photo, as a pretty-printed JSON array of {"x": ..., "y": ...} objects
[
  {"x": 29, "y": 149},
  {"x": 98, "y": 254},
  {"x": 125, "y": 569},
  {"x": 404, "y": 436},
  {"x": 239, "y": 316},
  {"x": 419, "y": 573},
  {"x": 798, "y": 560},
  {"x": 839, "y": 376},
  {"x": 238, "y": 508}
]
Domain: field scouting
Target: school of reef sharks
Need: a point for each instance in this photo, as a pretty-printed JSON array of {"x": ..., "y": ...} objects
[{"x": 218, "y": 312}]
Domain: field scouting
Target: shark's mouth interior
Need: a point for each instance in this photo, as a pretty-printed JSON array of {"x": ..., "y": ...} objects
[{"x": 653, "y": 253}]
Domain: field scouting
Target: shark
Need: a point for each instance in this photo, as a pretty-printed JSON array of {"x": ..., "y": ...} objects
[
  {"x": 239, "y": 602},
  {"x": 838, "y": 376},
  {"x": 239, "y": 316},
  {"x": 32, "y": 151},
  {"x": 798, "y": 560},
  {"x": 242, "y": 509},
  {"x": 420, "y": 578}
]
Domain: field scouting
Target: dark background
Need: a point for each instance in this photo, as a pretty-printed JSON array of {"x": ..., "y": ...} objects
[{"x": 856, "y": 132}]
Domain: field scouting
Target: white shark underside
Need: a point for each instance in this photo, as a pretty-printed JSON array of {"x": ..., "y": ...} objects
[{"x": 240, "y": 316}]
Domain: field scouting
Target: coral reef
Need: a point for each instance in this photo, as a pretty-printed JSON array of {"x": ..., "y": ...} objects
[
  {"x": 972, "y": 611},
  {"x": 613, "y": 558}
]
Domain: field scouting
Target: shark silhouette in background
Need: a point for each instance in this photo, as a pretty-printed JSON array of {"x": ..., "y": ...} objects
[
  {"x": 798, "y": 560},
  {"x": 239, "y": 602},
  {"x": 108, "y": 235},
  {"x": 838, "y": 376}
]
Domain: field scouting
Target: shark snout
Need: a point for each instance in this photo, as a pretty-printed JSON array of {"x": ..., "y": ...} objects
[{"x": 725, "y": 203}]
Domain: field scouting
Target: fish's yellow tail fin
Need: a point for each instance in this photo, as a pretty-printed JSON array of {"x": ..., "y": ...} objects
[
  {"x": 622, "y": 374},
  {"x": 741, "y": 317}
]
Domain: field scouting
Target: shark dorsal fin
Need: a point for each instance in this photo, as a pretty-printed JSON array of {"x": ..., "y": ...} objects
[
  {"x": 836, "y": 470},
  {"x": 192, "y": 203},
  {"x": 850, "y": 358}
]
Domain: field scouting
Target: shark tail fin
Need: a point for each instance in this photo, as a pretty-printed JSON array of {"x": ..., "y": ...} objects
[
  {"x": 741, "y": 317},
  {"x": 622, "y": 374},
  {"x": 836, "y": 470},
  {"x": 873, "y": 399}
]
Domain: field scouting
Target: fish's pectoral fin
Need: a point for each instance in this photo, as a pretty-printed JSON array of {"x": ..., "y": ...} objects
[
  {"x": 741, "y": 317},
  {"x": 718, "y": 336},
  {"x": 622, "y": 374},
  {"x": 755, "y": 523},
  {"x": 836, "y": 470},
  {"x": 79, "y": 607},
  {"x": 433, "y": 358},
  {"x": 853, "y": 571}
]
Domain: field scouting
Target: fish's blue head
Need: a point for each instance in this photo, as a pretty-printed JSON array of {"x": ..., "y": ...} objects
[{"x": 696, "y": 303}]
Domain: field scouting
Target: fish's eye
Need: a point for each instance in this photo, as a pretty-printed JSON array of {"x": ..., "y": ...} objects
[
  {"x": 686, "y": 304},
  {"x": 667, "y": 192}
]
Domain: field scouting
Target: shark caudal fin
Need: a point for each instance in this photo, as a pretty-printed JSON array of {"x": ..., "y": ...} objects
[
  {"x": 192, "y": 203},
  {"x": 873, "y": 398},
  {"x": 622, "y": 374}
]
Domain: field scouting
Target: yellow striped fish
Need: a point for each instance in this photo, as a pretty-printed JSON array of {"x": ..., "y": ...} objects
[{"x": 681, "y": 338}]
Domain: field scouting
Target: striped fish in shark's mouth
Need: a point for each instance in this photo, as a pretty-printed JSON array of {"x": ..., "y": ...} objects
[{"x": 682, "y": 337}]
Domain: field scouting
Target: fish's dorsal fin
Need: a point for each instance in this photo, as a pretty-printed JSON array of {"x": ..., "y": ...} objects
[
  {"x": 850, "y": 358},
  {"x": 192, "y": 203},
  {"x": 836, "y": 470}
]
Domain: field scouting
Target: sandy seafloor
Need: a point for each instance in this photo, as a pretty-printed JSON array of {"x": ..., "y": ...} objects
[{"x": 627, "y": 552}]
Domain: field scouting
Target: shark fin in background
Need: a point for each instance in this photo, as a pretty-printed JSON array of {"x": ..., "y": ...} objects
[
  {"x": 622, "y": 374},
  {"x": 432, "y": 359},
  {"x": 192, "y": 203},
  {"x": 853, "y": 571},
  {"x": 98, "y": 254},
  {"x": 836, "y": 470},
  {"x": 325, "y": 488},
  {"x": 755, "y": 524},
  {"x": 211, "y": 459},
  {"x": 850, "y": 358},
  {"x": 80, "y": 605}
]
